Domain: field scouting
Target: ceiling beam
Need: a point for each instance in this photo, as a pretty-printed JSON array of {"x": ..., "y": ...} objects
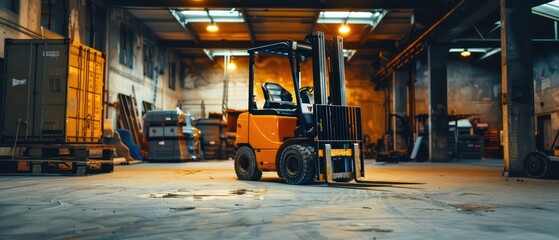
[
  {"x": 534, "y": 3},
  {"x": 371, "y": 28},
  {"x": 300, "y": 4},
  {"x": 476, "y": 43},
  {"x": 314, "y": 20},
  {"x": 366, "y": 32},
  {"x": 158, "y": 20},
  {"x": 209, "y": 54},
  {"x": 471, "y": 13},
  {"x": 414, "y": 48},
  {"x": 249, "y": 26},
  {"x": 187, "y": 27},
  {"x": 457, "y": 20},
  {"x": 492, "y": 43},
  {"x": 388, "y": 45}
]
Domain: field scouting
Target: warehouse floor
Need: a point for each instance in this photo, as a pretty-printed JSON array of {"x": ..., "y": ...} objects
[{"x": 204, "y": 200}]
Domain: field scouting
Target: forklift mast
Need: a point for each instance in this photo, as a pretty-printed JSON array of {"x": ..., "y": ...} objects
[
  {"x": 339, "y": 138},
  {"x": 337, "y": 127}
]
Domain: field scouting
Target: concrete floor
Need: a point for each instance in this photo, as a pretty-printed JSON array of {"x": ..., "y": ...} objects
[{"x": 204, "y": 200}]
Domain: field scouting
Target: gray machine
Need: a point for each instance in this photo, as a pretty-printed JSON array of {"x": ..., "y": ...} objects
[{"x": 166, "y": 139}]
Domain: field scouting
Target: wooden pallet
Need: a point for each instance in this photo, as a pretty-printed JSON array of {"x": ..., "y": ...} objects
[{"x": 58, "y": 159}]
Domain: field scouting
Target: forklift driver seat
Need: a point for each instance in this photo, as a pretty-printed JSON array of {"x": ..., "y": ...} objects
[{"x": 277, "y": 97}]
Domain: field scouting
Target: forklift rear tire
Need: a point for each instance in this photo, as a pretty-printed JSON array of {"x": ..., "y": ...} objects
[
  {"x": 245, "y": 165},
  {"x": 296, "y": 164},
  {"x": 537, "y": 165}
]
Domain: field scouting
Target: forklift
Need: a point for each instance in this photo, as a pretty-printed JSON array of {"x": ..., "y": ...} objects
[{"x": 313, "y": 138}]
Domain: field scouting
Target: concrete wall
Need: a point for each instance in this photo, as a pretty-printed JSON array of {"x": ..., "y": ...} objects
[
  {"x": 22, "y": 24},
  {"x": 360, "y": 92},
  {"x": 546, "y": 87},
  {"x": 546, "y": 81},
  {"x": 131, "y": 81},
  {"x": 476, "y": 88},
  {"x": 472, "y": 89},
  {"x": 204, "y": 80}
]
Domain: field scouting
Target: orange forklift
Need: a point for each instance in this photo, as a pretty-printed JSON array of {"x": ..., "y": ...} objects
[{"x": 304, "y": 135}]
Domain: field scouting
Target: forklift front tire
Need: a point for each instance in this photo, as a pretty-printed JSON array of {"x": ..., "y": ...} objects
[
  {"x": 245, "y": 165},
  {"x": 296, "y": 164}
]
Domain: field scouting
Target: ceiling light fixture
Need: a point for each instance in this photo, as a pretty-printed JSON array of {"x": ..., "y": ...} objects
[
  {"x": 344, "y": 28},
  {"x": 465, "y": 53},
  {"x": 231, "y": 66},
  {"x": 372, "y": 17},
  {"x": 212, "y": 27},
  {"x": 229, "y": 60},
  {"x": 221, "y": 15}
]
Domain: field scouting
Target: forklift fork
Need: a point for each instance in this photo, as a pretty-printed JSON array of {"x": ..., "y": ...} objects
[{"x": 357, "y": 173}]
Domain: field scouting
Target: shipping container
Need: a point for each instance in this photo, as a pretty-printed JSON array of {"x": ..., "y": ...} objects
[{"x": 53, "y": 91}]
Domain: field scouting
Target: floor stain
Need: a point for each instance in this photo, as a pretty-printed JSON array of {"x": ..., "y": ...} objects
[
  {"x": 170, "y": 195},
  {"x": 356, "y": 227},
  {"x": 187, "y": 172},
  {"x": 474, "y": 207},
  {"x": 183, "y": 209},
  {"x": 470, "y": 194},
  {"x": 239, "y": 191},
  {"x": 210, "y": 194}
]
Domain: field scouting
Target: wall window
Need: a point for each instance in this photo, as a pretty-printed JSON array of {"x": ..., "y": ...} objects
[
  {"x": 95, "y": 25},
  {"x": 54, "y": 15},
  {"x": 172, "y": 75},
  {"x": 148, "y": 61},
  {"x": 161, "y": 60},
  {"x": 12, "y": 5},
  {"x": 126, "y": 47}
]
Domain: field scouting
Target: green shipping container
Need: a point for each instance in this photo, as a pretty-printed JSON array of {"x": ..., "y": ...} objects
[{"x": 53, "y": 91}]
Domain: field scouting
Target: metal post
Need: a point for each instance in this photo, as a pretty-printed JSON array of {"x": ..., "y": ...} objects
[
  {"x": 438, "y": 115},
  {"x": 225, "y": 97},
  {"x": 518, "y": 87},
  {"x": 399, "y": 98},
  {"x": 411, "y": 99}
]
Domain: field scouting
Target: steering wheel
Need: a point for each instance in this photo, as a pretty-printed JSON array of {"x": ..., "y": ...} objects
[{"x": 307, "y": 89}]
